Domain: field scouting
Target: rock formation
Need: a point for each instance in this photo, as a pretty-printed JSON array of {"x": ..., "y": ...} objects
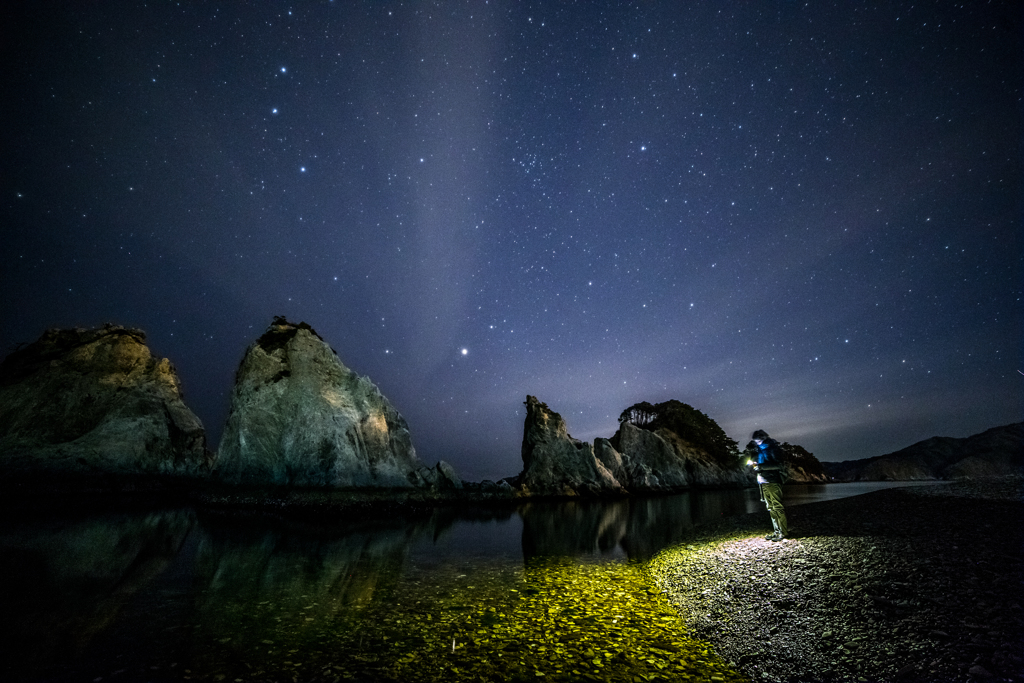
[
  {"x": 662, "y": 460},
  {"x": 299, "y": 417},
  {"x": 649, "y": 461},
  {"x": 636, "y": 473},
  {"x": 803, "y": 467},
  {"x": 996, "y": 452},
  {"x": 440, "y": 477},
  {"x": 672, "y": 446},
  {"x": 96, "y": 401},
  {"x": 637, "y": 459},
  {"x": 554, "y": 463}
]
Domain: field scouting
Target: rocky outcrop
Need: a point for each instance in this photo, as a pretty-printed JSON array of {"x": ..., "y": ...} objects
[
  {"x": 651, "y": 463},
  {"x": 704, "y": 469},
  {"x": 635, "y": 460},
  {"x": 662, "y": 460},
  {"x": 96, "y": 401},
  {"x": 996, "y": 452},
  {"x": 635, "y": 474},
  {"x": 299, "y": 417},
  {"x": 673, "y": 446},
  {"x": 440, "y": 477},
  {"x": 554, "y": 463}
]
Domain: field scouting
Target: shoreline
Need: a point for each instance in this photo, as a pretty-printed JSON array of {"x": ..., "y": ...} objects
[
  {"x": 25, "y": 494},
  {"x": 903, "y": 585}
]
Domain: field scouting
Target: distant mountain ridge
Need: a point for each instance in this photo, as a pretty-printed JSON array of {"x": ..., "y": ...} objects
[{"x": 995, "y": 452}]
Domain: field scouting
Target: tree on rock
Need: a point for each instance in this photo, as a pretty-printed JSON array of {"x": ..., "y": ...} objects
[
  {"x": 686, "y": 421},
  {"x": 639, "y": 414}
]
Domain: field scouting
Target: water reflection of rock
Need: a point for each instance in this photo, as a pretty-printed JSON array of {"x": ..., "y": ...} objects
[
  {"x": 572, "y": 528},
  {"x": 62, "y": 583},
  {"x": 266, "y": 588},
  {"x": 640, "y": 527},
  {"x": 301, "y": 574}
]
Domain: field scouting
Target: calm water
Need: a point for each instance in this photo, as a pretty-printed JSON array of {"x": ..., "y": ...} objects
[{"x": 160, "y": 592}]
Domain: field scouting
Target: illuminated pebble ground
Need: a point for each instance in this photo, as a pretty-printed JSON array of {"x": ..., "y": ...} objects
[
  {"x": 899, "y": 585},
  {"x": 554, "y": 620}
]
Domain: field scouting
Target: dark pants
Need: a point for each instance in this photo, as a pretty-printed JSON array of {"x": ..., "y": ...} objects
[{"x": 773, "y": 499}]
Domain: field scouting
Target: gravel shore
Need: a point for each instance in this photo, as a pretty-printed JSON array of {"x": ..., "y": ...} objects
[{"x": 903, "y": 585}]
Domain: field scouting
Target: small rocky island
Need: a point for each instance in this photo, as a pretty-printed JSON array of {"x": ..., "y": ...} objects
[
  {"x": 654, "y": 457},
  {"x": 660, "y": 448}
]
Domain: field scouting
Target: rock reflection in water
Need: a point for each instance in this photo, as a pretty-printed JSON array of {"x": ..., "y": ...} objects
[
  {"x": 573, "y": 528},
  {"x": 63, "y": 582},
  {"x": 274, "y": 596},
  {"x": 315, "y": 570},
  {"x": 637, "y": 527}
]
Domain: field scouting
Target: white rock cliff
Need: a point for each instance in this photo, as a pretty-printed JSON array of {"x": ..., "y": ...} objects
[{"x": 299, "y": 417}]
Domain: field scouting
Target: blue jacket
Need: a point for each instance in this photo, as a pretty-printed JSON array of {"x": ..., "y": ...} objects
[{"x": 769, "y": 463}]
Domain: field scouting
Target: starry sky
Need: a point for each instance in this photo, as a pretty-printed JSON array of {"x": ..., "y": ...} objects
[{"x": 800, "y": 217}]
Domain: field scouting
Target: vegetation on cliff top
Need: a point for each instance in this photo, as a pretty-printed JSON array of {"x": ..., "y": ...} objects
[{"x": 686, "y": 421}]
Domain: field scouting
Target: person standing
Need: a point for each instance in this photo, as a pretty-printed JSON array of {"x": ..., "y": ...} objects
[{"x": 769, "y": 477}]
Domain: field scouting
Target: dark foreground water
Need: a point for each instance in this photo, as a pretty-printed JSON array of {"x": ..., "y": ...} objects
[{"x": 183, "y": 594}]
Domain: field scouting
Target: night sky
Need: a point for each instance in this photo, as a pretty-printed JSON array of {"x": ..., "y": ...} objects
[{"x": 804, "y": 218}]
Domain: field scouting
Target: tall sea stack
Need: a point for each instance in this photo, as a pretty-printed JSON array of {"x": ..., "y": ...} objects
[
  {"x": 554, "y": 463},
  {"x": 299, "y": 417}
]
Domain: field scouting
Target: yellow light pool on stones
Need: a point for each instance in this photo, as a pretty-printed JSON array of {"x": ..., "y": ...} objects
[{"x": 556, "y": 619}]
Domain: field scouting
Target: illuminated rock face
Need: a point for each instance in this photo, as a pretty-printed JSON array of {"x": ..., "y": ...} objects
[
  {"x": 96, "y": 401},
  {"x": 299, "y": 417},
  {"x": 554, "y": 463}
]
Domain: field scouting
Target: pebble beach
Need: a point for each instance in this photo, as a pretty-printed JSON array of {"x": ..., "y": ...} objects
[{"x": 903, "y": 585}]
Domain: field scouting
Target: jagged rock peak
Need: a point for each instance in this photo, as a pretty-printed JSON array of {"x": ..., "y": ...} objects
[
  {"x": 96, "y": 401},
  {"x": 280, "y": 331},
  {"x": 299, "y": 417},
  {"x": 554, "y": 463},
  {"x": 543, "y": 425}
]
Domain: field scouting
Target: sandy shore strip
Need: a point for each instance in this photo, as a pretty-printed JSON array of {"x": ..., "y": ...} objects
[{"x": 911, "y": 584}]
